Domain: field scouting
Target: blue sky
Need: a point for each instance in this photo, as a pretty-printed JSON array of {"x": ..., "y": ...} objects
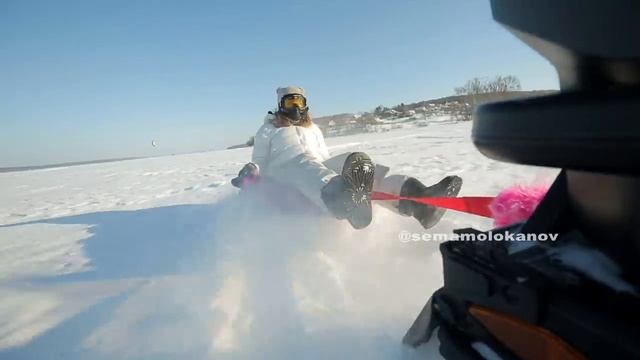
[{"x": 82, "y": 80}]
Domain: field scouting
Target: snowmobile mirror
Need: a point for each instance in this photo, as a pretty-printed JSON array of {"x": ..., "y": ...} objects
[{"x": 592, "y": 123}]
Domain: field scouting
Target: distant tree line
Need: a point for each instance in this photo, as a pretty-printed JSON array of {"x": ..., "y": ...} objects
[{"x": 476, "y": 91}]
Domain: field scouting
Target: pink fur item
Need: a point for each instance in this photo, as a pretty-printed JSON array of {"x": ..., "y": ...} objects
[{"x": 516, "y": 204}]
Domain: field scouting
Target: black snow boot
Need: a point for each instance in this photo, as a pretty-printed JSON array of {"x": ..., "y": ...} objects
[
  {"x": 427, "y": 215},
  {"x": 348, "y": 195}
]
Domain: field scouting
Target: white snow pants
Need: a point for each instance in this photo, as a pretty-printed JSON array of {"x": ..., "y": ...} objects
[{"x": 309, "y": 176}]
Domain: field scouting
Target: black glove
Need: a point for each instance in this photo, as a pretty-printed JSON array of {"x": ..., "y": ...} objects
[{"x": 249, "y": 174}]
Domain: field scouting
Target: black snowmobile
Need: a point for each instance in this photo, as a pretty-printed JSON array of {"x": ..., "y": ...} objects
[{"x": 578, "y": 297}]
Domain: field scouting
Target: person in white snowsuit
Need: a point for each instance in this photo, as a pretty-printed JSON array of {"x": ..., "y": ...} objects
[{"x": 290, "y": 149}]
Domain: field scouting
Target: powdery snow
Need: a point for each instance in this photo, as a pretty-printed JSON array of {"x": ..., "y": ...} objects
[{"x": 159, "y": 259}]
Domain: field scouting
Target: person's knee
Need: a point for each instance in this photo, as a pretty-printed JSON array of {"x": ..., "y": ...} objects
[
  {"x": 391, "y": 184},
  {"x": 336, "y": 163}
]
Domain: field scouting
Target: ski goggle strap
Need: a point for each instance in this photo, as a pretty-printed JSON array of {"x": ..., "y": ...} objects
[{"x": 291, "y": 101}]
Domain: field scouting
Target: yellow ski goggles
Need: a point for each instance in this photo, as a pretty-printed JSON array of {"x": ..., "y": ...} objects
[{"x": 293, "y": 101}]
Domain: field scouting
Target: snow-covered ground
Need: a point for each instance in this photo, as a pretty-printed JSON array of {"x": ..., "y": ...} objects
[{"x": 158, "y": 259}]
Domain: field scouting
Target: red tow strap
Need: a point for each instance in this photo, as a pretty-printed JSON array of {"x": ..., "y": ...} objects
[{"x": 477, "y": 205}]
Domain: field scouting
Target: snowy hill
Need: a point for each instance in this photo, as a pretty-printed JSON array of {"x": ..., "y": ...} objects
[
  {"x": 419, "y": 113},
  {"x": 160, "y": 259}
]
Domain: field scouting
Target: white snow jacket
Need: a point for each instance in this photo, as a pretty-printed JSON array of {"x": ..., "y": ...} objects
[{"x": 274, "y": 146}]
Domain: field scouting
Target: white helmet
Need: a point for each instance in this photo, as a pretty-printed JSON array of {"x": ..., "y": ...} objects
[{"x": 292, "y": 103}]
